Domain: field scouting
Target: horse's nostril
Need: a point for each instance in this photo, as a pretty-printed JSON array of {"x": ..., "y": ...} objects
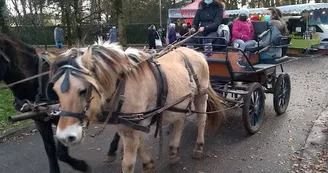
[{"x": 71, "y": 139}]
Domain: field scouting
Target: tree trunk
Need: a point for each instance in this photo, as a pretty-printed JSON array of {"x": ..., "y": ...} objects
[
  {"x": 68, "y": 23},
  {"x": 3, "y": 22},
  {"x": 243, "y": 2},
  {"x": 119, "y": 15},
  {"x": 78, "y": 20}
]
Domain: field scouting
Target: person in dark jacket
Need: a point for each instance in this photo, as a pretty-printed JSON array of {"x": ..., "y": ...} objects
[
  {"x": 207, "y": 20},
  {"x": 152, "y": 35},
  {"x": 184, "y": 30}
]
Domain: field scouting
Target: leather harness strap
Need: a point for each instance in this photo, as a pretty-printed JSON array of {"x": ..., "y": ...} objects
[
  {"x": 162, "y": 91},
  {"x": 132, "y": 119}
]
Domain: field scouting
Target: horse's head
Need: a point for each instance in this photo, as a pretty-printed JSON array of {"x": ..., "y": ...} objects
[
  {"x": 17, "y": 57},
  {"x": 83, "y": 81}
]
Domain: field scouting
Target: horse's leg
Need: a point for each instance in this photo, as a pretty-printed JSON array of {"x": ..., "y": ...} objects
[
  {"x": 62, "y": 154},
  {"x": 175, "y": 141},
  {"x": 200, "y": 103},
  {"x": 131, "y": 144},
  {"x": 111, "y": 155},
  {"x": 49, "y": 144},
  {"x": 148, "y": 164}
]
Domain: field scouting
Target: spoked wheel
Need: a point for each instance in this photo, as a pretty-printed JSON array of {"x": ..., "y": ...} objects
[
  {"x": 253, "y": 109},
  {"x": 281, "y": 93}
]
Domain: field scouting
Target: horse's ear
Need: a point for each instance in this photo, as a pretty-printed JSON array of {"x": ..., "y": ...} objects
[{"x": 87, "y": 59}]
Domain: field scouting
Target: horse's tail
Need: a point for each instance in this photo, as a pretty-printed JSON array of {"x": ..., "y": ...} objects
[{"x": 214, "y": 120}]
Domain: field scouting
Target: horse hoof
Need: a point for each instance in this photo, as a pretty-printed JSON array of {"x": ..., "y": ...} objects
[
  {"x": 174, "y": 160},
  {"x": 197, "y": 154},
  {"x": 110, "y": 159}
]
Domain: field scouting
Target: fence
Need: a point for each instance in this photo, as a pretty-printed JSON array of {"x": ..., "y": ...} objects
[{"x": 135, "y": 34}]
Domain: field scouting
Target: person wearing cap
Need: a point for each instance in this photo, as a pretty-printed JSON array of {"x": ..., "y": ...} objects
[
  {"x": 242, "y": 35},
  {"x": 243, "y": 32}
]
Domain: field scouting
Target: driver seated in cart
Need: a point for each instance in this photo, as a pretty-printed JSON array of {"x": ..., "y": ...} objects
[{"x": 207, "y": 20}]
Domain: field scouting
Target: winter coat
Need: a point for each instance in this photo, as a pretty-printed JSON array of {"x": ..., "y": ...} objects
[
  {"x": 183, "y": 31},
  {"x": 272, "y": 38},
  {"x": 281, "y": 25},
  {"x": 209, "y": 16},
  {"x": 59, "y": 34},
  {"x": 152, "y": 35},
  {"x": 242, "y": 30},
  {"x": 112, "y": 36},
  {"x": 172, "y": 35}
]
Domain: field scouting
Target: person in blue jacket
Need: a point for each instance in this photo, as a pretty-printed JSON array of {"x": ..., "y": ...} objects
[
  {"x": 59, "y": 36},
  {"x": 112, "y": 34}
]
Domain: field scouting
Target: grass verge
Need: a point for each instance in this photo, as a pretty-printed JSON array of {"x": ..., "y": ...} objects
[{"x": 6, "y": 110}]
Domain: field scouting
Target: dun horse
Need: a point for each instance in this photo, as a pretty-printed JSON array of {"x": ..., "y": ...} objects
[
  {"x": 125, "y": 84},
  {"x": 19, "y": 61}
]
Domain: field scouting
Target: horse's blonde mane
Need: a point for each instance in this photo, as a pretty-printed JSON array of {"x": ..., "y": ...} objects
[{"x": 108, "y": 62}]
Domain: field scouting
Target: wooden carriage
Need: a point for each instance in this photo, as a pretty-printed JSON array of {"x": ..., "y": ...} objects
[{"x": 246, "y": 87}]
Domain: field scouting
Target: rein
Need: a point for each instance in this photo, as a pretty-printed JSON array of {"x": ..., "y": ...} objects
[
  {"x": 175, "y": 44},
  {"x": 24, "y": 80}
]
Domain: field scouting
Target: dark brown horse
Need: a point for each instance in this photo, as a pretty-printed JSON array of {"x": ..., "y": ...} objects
[{"x": 19, "y": 61}]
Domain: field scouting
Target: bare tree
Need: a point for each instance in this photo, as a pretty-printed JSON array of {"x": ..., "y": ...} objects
[{"x": 3, "y": 17}]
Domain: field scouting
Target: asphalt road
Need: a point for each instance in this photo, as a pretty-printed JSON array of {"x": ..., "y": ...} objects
[{"x": 229, "y": 150}]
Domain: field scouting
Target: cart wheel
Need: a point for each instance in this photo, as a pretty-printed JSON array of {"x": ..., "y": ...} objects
[
  {"x": 253, "y": 109},
  {"x": 281, "y": 93}
]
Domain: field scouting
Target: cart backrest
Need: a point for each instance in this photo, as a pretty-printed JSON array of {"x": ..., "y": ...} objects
[
  {"x": 259, "y": 28},
  {"x": 225, "y": 21}
]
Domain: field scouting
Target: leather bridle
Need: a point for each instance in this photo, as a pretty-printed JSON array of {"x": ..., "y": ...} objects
[{"x": 71, "y": 70}]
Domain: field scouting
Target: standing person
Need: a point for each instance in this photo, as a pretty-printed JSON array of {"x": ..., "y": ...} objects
[
  {"x": 207, "y": 20},
  {"x": 188, "y": 25},
  {"x": 172, "y": 34},
  {"x": 152, "y": 35},
  {"x": 59, "y": 36},
  {"x": 112, "y": 34},
  {"x": 184, "y": 30}
]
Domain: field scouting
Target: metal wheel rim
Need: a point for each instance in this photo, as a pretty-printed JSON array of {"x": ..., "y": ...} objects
[
  {"x": 283, "y": 94},
  {"x": 255, "y": 108}
]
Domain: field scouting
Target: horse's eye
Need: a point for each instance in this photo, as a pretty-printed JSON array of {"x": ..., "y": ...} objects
[{"x": 83, "y": 92}]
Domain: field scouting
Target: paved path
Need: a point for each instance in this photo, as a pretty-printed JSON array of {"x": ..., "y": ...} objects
[{"x": 230, "y": 149}]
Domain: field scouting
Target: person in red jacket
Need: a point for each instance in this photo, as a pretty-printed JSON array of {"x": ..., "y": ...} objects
[{"x": 242, "y": 32}]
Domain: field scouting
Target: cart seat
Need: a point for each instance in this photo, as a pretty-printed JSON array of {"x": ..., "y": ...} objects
[
  {"x": 254, "y": 49},
  {"x": 261, "y": 28}
]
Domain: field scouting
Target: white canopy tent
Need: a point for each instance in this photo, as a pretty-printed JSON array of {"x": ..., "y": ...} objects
[
  {"x": 300, "y": 8},
  {"x": 287, "y": 9}
]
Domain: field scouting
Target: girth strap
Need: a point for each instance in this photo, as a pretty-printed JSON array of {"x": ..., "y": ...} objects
[{"x": 162, "y": 91}]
